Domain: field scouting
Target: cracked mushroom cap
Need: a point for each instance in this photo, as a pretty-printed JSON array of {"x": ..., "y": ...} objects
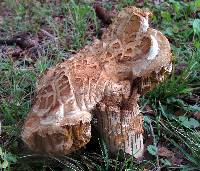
[
  {"x": 129, "y": 49},
  {"x": 55, "y": 125},
  {"x": 138, "y": 50}
]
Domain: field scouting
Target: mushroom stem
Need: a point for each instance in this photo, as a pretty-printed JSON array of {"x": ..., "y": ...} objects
[{"x": 121, "y": 128}]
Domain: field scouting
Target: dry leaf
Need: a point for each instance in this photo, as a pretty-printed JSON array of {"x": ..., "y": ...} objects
[
  {"x": 197, "y": 115},
  {"x": 164, "y": 152},
  {"x": 148, "y": 109}
]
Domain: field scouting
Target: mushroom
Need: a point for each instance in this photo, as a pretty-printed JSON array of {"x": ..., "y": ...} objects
[{"x": 106, "y": 78}]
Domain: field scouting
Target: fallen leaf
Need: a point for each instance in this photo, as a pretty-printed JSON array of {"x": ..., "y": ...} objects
[
  {"x": 148, "y": 109},
  {"x": 197, "y": 115},
  {"x": 178, "y": 157},
  {"x": 176, "y": 160},
  {"x": 164, "y": 152}
]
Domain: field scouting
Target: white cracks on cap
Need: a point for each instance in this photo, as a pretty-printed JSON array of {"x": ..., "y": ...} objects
[
  {"x": 144, "y": 24},
  {"x": 154, "y": 49},
  {"x": 52, "y": 119},
  {"x": 168, "y": 68},
  {"x": 141, "y": 65},
  {"x": 84, "y": 117}
]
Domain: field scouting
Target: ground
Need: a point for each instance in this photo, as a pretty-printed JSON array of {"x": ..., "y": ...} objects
[{"x": 35, "y": 35}]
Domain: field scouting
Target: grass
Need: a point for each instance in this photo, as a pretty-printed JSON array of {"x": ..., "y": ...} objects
[{"x": 71, "y": 25}]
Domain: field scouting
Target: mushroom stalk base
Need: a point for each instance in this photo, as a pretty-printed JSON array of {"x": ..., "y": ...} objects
[{"x": 121, "y": 129}]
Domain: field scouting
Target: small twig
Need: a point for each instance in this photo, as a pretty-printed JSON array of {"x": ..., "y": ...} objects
[
  {"x": 103, "y": 14},
  {"x": 48, "y": 34}
]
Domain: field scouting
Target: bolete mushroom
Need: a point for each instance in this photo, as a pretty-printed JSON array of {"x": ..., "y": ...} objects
[{"x": 103, "y": 78}]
